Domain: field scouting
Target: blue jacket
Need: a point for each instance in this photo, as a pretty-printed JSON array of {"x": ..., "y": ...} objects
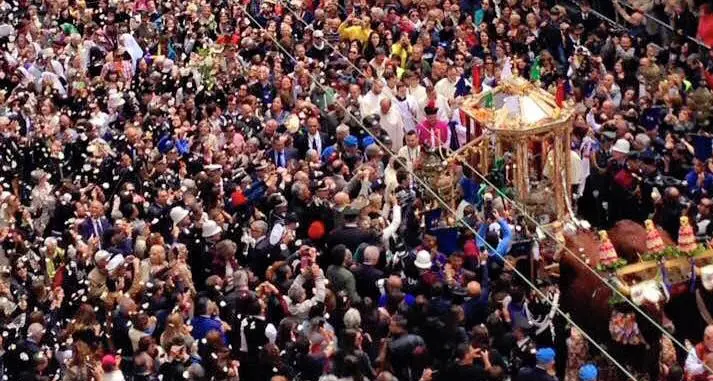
[
  {"x": 470, "y": 190},
  {"x": 204, "y": 324},
  {"x": 694, "y": 190},
  {"x": 503, "y": 246},
  {"x": 87, "y": 228}
]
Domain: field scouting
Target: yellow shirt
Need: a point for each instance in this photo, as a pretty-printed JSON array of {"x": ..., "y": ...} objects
[
  {"x": 354, "y": 32},
  {"x": 397, "y": 49}
]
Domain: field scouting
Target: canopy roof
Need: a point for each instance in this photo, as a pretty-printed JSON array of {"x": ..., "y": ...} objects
[{"x": 515, "y": 107}]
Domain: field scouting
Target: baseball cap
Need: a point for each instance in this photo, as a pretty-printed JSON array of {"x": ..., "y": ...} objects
[
  {"x": 351, "y": 141},
  {"x": 545, "y": 355},
  {"x": 588, "y": 372},
  {"x": 108, "y": 362}
]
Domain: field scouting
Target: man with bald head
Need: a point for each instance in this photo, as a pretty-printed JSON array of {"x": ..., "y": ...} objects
[
  {"x": 669, "y": 211},
  {"x": 367, "y": 274},
  {"x": 476, "y": 306},
  {"x": 392, "y": 289},
  {"x": 341, "y": 200},
  {"x": 18, "y": 360},
  {"x": 392, "y": 122}
]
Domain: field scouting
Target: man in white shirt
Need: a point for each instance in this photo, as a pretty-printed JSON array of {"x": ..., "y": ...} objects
[
  {"x": 407, "y": 107},
  {"x": 446, "y": 87},
  {"x": 417, "y": 92},
  {"x": 392, "y": 123},
  {"x": 369, "y": 104},
  {"x": 411, "y": 152},
  {"x": 390, "y": 81}
]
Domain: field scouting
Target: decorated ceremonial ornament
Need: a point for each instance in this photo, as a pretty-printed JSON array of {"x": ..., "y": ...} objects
[
  {"x": 686, "y": 238},
  {"x": 654, "y": 243},
  {"x": 607, "y": 253}
]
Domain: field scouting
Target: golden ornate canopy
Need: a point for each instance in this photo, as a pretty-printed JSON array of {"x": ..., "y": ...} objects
[{"x": 522, "y": 118}]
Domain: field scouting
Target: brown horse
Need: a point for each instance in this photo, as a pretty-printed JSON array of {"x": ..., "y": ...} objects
[{"x": 583, "y": 295}]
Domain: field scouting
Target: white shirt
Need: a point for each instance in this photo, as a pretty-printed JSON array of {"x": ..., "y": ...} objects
[
  {"x": 379, "y": 69},
  {"x": 408, "y": 108},
  {"x": 419, "y": 95},
  {"x": 387, "y": 91},
  {"x": 410, "y": 155},
  {"x": 693, "y": 365},
  {"x": 114, "y": 375},
  {"x": 270, "y": 333},
  {"x": 393, "y": 124},
  {"x": 369, "y": 104},
  {"x": 446, "y": 88},
  {"x": 444, "y": 110}
]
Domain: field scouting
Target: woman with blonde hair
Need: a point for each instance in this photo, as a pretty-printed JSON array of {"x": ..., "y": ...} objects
[{"x": 175, "y": 327}]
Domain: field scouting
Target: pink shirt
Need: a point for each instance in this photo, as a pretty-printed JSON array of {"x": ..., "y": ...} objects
[{"x": 429, "y": 135}]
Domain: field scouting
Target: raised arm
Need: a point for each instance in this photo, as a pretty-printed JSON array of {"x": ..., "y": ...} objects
[
  {"x": 622, "y": 12},
  {"x": 320, "y": 284},
  {"x": 506, "y": 241}
]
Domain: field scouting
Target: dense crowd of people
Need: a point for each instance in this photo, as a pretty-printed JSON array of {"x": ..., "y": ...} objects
[{"x": 224, "y": 190}]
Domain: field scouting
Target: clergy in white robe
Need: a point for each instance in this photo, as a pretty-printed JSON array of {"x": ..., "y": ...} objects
[
  {"x": 369, "y": 103},
  {"x": 407, "y": 107},
  {"x": 392, "y": 123}
]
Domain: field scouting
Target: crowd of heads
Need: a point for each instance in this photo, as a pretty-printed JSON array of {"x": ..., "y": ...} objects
[{"x": 224, "y": 190}]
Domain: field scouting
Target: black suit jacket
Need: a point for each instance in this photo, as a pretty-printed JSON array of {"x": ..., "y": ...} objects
[
  {"x": 534, "y": 374},
  {"x": 304, "y": 142},
  {"x": 366, "y": 278},
  {"x": 351, "y": 237},
  {"x": 261, "y": 257},
  {"x": 590, "y": 23}
]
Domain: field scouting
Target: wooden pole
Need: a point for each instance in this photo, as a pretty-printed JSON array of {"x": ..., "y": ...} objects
[
  {"x": 556, "y": 176},
  {"x": 521, "y": 168}
]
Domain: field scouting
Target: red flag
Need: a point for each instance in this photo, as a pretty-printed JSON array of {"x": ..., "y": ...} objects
[
  {"x": 476, "y": 79},
  {"x": 560, "y": 94},
  {"x": 465, "y": 121}
]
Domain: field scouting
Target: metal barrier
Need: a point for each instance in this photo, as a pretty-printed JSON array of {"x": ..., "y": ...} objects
[
  {"x": 663, "y": 24},
  {"x": 599, "y": 15}
]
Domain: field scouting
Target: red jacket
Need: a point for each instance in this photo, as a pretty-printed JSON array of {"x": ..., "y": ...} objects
[{"x": 624, "y": 179}]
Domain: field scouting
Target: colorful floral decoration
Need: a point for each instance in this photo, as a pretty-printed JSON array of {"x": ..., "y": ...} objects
[
  {"x": 686, "y": 238},
  {"x": 607, "y": 253},
  {"x": 654, "y": 242},
  {"x": 624, "y": 329}
]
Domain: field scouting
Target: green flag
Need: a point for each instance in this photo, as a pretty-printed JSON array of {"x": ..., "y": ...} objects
[
  {"x": 488, "y": 100},
  {"x": 535, "y": 70}
]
